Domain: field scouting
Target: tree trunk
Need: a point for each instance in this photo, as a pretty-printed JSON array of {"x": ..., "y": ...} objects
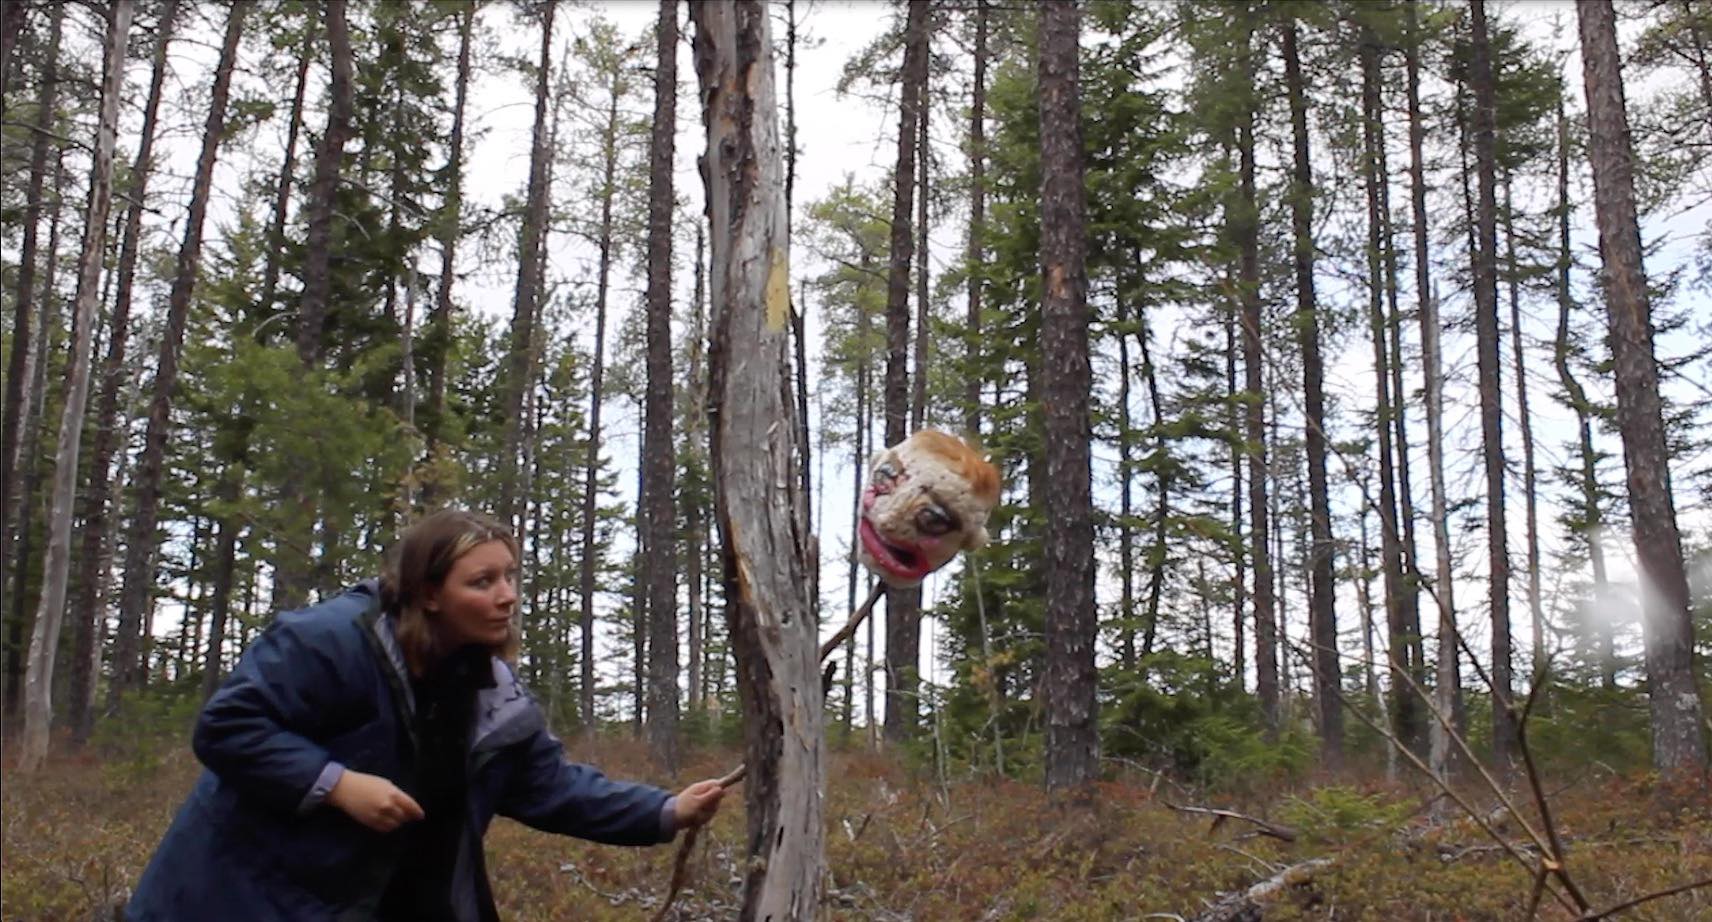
[
  {"x": 903, "y": 606},
  {"x": 11, "y": 25},
  {"x": 437, "y": 340},
  {"x": 977, "y": 227},
  {"x": 1598, "y": 636},
  {"x": 1158, "y": 555},
  {"x": 293, "y": 573},
  {"x": 230, "y": 489},
  {"x": 1244, "y": 222},
  {"x": 1409, "y": 559},
  {"x": 658, "y": 452},
  {"x": 863, "y": 424},
  {"x": 287, "y": 168},
  {"x": 799, "y": 330},
  {"x": 695, "y": 524},
  {"x": 755, "y": 462},
  {"x": 20, "y": 364},
  {"x": 1405, "y": 710},
  {"x": 1126, "y": 505},
  {"x": 591, "y": 487},
  {"x": 1448, "y": 684},
  {"x": 323, "y": 190},
  {"x": 1072, "y": 729},
  {"x": 1504, "y": 729},
  {"x": 1322, "y": 614},
  {"x": 136, "y": 596},
  {"x": 1536, "y": 610},
  {"x": 639, "y": 608},
  {"x": 1679, "y": 743},
  {"x": 918, "y": 379},
  {"x": 17, "y": 624},
  {"x": 44, "y": 635},
  {"x": 524, "y": 305},
  {"x": 1239, "y": 557},
  {"x": 95, "y": 551}
]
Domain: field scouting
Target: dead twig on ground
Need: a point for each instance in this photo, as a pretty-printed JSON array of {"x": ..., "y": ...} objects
[{"x": 1262, "y": 827}]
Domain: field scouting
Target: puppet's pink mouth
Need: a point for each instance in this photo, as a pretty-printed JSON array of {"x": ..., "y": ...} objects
[{"x": 898, "y": 560}]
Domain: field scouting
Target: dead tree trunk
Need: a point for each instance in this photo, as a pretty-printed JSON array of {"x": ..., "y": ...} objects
[
  {"x": 1448, "y": 685},
  {"x": 1595, "y": 636},
  {"x": 758, "y": 502},
  {"x": 1525, "y": 426},
  {"x": 44, "y": 636},
  {"x": 1679, "y": 742}
]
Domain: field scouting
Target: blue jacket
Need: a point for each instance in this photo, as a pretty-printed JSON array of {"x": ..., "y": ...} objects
[{"x": 328, "y": 685}]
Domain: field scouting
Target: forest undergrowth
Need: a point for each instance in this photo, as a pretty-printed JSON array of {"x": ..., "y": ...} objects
[{"x": 903, "y": 845}]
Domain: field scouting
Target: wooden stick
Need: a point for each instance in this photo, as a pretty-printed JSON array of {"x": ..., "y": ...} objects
[{"x": 681, "y": 863}]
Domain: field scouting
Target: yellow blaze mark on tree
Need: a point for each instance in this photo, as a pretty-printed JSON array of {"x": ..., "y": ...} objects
[{"x": 778, "y": 290}]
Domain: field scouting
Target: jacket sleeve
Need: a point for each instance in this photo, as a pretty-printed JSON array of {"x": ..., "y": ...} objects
[
  {"x": 553, "y": 795},
  {"x": 256, "y": 733}
]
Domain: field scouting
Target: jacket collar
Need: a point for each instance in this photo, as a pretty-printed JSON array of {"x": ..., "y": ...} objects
[{"x": 504, "y": 714}]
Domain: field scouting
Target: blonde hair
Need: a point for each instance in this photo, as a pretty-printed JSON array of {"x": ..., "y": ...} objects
[{"x": 419, "y": 563}]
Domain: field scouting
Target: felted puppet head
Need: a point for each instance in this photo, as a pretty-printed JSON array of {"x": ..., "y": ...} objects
[{"x": 926, "y": 498}]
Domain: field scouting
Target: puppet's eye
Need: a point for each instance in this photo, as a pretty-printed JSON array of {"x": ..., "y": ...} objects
[
  {"x": 885, "y": 471},
  {"x": 932, "y": 520}
]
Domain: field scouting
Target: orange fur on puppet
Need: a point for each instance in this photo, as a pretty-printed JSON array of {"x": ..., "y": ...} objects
[{"x": 926, "y": 498}]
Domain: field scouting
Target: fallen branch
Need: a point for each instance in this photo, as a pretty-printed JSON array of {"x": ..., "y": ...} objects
[
  {"x": 1262, "y": 827},
  {"x": 1250, "y": 905}
]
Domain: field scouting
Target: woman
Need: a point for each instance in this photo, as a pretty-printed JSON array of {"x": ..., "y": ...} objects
[{"x": 358, "y": 752}]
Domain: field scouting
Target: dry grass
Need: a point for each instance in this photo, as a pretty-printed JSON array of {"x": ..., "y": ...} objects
[{"x": 899, "y": 847}]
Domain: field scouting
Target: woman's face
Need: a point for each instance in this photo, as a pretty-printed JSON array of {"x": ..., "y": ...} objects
[{"x": 475, "y": 603}]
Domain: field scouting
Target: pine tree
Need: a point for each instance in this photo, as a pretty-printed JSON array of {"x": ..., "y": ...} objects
[
  {"x": 1679, "y": 742},
  {"x": 136, "y": 595},
  {"x": 903, "y": 606},
  {"x": 1072, "y": 734},
  {"x": 660, "y": 462},
  {"x": 1322, "y": 615}
]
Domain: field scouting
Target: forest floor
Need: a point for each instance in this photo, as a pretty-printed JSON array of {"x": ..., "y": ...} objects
[{"x": 900, "y": 845}]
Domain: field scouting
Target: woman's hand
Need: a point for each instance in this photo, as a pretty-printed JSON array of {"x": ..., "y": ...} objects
[
  {"x": 698, "y": 803},
  {"x": 374, "y": 801}
]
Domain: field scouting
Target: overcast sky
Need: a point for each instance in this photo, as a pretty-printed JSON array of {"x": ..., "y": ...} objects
[{"x": 838, "y": 136}]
